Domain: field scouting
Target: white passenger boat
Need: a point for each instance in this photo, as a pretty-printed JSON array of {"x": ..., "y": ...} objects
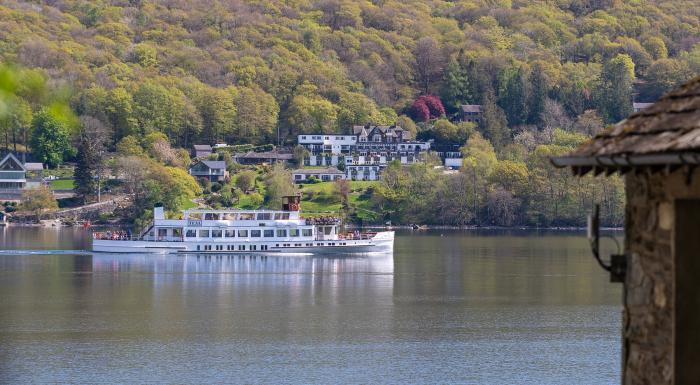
[{"x": 243, "y": 231}]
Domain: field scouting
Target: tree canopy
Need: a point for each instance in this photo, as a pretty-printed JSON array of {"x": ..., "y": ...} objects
[{"x": 242, "y": 71}]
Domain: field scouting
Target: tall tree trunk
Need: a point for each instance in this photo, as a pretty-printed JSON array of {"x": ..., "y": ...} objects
[
  {"x": 14, "y": 138},
  {"x": 26, "y": 147}
]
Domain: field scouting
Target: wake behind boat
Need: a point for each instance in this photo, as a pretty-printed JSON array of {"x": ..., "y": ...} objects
[{"x": 244, "y": 231}]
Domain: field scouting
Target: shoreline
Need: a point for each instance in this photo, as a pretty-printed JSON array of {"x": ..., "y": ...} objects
[
  {"x": 471, "y": 227},
  {"x": 56, "y": 224}
]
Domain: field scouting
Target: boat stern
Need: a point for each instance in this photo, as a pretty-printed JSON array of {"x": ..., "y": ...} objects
[
  {"x": 149, "y": 247},
  {"x": 384, "y": 240}
]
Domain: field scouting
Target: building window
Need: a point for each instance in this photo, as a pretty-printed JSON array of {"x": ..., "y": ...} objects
[
  {"x": 230, "y": 233},
  {"x": 204, "y": 233},
  {"x": 293, "y": 232},
  {"x": 264, "y": 216},
  {"x": 191, "y": 233},
  {"x": 306, "y": 232},
  {"x": 243, "y": 233},
  {"x": 216, "y": 233},
  {"x": 255, "y": 233},
  {"x": 282, "y": 233},
  {"x": 269, "y": 233}
]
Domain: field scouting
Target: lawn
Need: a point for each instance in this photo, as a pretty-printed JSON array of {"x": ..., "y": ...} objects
[
  {"x": 62, "y": 184},
  {"x": 320, "y": 199},
  {"x": 247, "y": 203},
  {"x": 328, "y": 187},
  {"x": 189, "y": 205}
]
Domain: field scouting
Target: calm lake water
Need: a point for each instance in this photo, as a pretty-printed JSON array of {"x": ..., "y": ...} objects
[{"x": 501, "y": 307}]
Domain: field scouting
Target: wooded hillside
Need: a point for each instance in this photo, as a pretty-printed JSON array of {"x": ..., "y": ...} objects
[{"x": 237, "y": 70}]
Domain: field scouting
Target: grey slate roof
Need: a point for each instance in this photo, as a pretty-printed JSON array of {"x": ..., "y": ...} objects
[
  {"x": 220, "y": 164},
  {"x": 359, "y": 130},
  {"x": 387, "y": 130},
  {"x": 265, "y": 155},
  {"x": 202, "y": 147},
  {"x": 31, "y": 166},
  {"x": 11, "y": 157},
  {"x": 471, "y": 108}
]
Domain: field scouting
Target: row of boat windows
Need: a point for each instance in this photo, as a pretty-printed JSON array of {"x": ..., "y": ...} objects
[
  {"x": 259, "y": 247},
  {"x": 231, "y": 247},
  {"x": 238, "y": 216},
  {"x": 280, "y": 233}
]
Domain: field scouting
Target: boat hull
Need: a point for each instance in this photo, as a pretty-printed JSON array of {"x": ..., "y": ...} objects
[{"x": 381, "y": 242}]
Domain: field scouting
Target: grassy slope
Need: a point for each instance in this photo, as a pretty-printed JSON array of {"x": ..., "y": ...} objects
[
  {"x": 62, "y": 184},
  {"x": 320, "y": 199},
  {"x": 189, "y": 205}
]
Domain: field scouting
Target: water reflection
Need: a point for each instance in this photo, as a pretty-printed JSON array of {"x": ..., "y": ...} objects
[
  {"x": 447, "y": 307},
  {"x": 244, "y": 263},
  {"x": 57, "y": 238}
]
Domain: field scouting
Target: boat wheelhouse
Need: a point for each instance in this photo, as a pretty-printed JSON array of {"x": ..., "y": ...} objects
[{"x": 226, "y": 231}]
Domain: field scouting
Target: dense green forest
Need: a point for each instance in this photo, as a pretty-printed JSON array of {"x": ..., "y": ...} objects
[
  {"x": 203, "y": 71},
  {"x": 548, "y": 73}
]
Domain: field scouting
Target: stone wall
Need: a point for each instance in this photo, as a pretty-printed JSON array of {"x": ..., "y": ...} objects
[
  {"x": 82, "y": 213},
  {"x": 648, "y": 318}
]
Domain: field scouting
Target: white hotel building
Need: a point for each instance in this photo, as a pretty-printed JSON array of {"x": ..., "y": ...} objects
[
  {"x": 327, "y": 150},
  {"x": 364, "y": 154}
]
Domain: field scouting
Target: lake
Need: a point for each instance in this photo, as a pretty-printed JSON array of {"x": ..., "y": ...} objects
[{"x": 473, "y": 307}]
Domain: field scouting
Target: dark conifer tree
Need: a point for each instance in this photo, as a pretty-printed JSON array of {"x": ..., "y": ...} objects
[
  {"x": 515, "y": 100},
  {"x": 538, "y": 94},
  {"x": 493, "y": 122},
  {"x": 614, "y": 95},
  {"x": 456, "y": 89},
  {"x": 85, "y": 169}
]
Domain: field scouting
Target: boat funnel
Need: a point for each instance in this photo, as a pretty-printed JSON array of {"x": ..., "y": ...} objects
[{"x": 158, "y": 212}]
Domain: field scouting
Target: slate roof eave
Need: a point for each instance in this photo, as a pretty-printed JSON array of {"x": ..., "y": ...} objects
[
  {"x": 214, "y": 163},
  {"x": 665, "y": 133}
]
